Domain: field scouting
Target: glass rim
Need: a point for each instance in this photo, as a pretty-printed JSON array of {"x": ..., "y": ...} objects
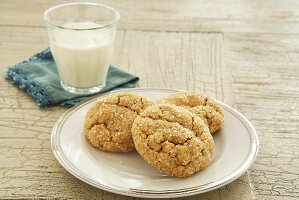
[{"x": 113, "y": 21}]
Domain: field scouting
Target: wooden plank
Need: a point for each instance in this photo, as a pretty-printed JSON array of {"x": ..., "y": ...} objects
[
  {"x": 266, "y": 89},
  {"x": 270, "y": 16},
  {"x": 28, "y": 168}
]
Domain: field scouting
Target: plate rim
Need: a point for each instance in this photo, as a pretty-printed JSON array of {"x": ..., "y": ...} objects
[{"x": 68, "y": 166}]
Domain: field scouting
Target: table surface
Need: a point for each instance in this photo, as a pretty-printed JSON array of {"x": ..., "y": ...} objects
[{"x": 244, "y": 53}]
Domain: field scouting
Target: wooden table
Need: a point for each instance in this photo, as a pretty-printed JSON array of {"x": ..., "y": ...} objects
[{"x": 244, "y": 53}]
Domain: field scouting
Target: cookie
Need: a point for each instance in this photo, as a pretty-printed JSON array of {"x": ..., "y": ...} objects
[
  {"x": 108, "y": 123},
  {"x": 204, "y": 107},
  {"x": 173, "y": 140}
]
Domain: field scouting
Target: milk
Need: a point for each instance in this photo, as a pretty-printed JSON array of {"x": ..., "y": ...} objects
[{"x": 82, "y": 56}]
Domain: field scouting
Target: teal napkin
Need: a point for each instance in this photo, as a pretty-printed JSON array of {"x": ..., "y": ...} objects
[{"x": 38, "y": 76}]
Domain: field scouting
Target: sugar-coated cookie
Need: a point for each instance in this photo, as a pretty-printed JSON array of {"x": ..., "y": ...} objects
[
  {"x": 108, "y": 123},
  {"x": 204, "y": 107},
  {"x": 172, "y": 139}
]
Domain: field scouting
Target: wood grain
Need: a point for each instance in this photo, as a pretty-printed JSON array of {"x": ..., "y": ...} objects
[
  {"x": 271, "y": 16},
  {"x": 265, "y": 89}
]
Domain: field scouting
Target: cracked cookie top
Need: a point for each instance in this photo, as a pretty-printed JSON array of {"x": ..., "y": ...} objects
[
  {"x": 204, "y": 107},
  {"x": 108, "y": 123},
  {"x": 172, "y": 139}
]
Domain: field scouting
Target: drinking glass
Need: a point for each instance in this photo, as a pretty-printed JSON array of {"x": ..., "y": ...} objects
[{"x": 81, "y": 39}]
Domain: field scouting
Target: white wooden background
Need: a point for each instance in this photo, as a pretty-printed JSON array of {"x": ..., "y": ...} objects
[{"x": 242, "y": 52}]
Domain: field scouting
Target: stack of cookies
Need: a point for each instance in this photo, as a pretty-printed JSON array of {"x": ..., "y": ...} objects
[{"x": 173, "y": 134}]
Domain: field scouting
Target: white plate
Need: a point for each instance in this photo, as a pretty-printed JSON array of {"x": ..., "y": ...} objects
[{"x": 236, "y": 146}]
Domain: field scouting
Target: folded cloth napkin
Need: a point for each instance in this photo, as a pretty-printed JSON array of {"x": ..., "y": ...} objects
[{"x": 39, "y": 77}]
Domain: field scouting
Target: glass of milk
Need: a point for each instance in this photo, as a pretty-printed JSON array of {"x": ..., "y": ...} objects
[{"x": 81, "y": 39}]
